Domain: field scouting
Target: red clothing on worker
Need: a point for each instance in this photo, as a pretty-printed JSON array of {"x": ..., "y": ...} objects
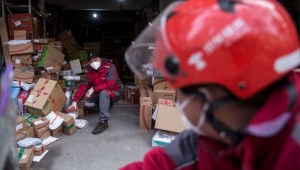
[
  {"x": 271, "y": 141},
  {"x": 105, "y": 78}
]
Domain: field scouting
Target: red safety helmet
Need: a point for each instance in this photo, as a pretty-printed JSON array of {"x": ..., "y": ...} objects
[{"x": 243, "y": 46}]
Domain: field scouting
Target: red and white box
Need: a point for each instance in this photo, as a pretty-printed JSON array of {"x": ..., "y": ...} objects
[{"x": 21, "y": 100}]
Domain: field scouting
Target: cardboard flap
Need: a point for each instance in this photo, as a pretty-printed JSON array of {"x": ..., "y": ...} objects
[
  {"x": 145, "y": 100},
  {"x": 21, "y": 48},
  {"x": 168, "y": 118}
]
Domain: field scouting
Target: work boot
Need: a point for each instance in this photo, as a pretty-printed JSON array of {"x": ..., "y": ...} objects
[{"x": 101, "y": 126}]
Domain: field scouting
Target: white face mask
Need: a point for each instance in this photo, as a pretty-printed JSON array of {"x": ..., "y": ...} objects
[
  {"x": 187, "y": 123},
  {"x": 95, "y": 65}
]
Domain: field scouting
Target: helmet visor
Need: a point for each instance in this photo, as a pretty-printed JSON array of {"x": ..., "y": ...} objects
[{"x": 141, "y": 54}]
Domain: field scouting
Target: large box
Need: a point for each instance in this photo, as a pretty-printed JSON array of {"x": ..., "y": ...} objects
[
  {"x": 20, "y": 22},
  {"x": 146, "y": 91},
  {"x": 164, "y": 94},
  {"x": 57, "y": 45},
  {"x": 22, "y": 61},
  {"x": 51, "y": 58},
  {"x": 25, "y": 133},
  {"x": 146, "y": 113},
  {"x": 146, "y": 81},
  {"x": 132, "y": 94},
  {"x": 26, "y": 48},
  {"x": 162, "y": 138},
  {"x": 23, "y": 75},
  {"x": 68, "y": 126},
  {"x": 4, "y": 40},
  {"x": 23, "y": 95},
  {"x": 25, "y": 158},
  {"x": 168, "y": 118},
  {"x": 160, "y": 84},
  {"x": 20, "y": 35},
  {"x": 46, "y": 96}
]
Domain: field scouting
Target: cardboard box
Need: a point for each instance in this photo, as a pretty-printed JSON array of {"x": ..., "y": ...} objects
[
  {"x": 25, "y": 133},
  {"x": 27, "y": 48},
  {"x": 39, "y": 150},
  {"x": 29, "y": 118},
  {"x": 20, "y": 124},
  {"x": 165, "y": 102},
  {"x": 168, "y": 118},
  {"x": 146, "y": 113},
  {"x": 23, "y": 95},
  {"x": 50, "y": 76},
  {"x": 43, "y": 133},
  {"x": 14, "y": 93},
  {"x": 57, "y": 45},
  {"x": 62, "y": 83},
  {"x": 68, "y": 126},
  {"x": 51, "y": 58},
  {"x": 132, "y": 94},
  {"x": 76, "y": 66},
  {"x": 22, "y": 61},
  {"x": 80, "y": 110},
  {"x": 23, "y": 75},
  {"x": 146, "y": 91},
  {"x": 57, "y": 132},
  {"x": 20, "y": 22},
  {"x": 164, "y": 94},
  {"x": 25, "y": 158},
  {"x": 147, "y": 81},
  {"x": 40, "y": 123},
  {"x": 160, "y": 84},
  {"x": 162, "y": 138},
  {"x": 46, "y": 96},
  {"x": 20, "y": 35}
]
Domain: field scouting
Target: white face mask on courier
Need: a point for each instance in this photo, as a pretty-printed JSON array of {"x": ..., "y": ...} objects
[{"x": 95, "y": 65}]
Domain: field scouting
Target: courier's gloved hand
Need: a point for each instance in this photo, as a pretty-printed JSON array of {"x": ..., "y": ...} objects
[
  {"x": 89, "y": 93},
  {"x": 73, "y": 106}
]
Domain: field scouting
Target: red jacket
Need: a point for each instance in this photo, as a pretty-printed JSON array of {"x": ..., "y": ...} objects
[
  {"x": 271, "y": 141},
  {"x": 105, "y": 78}
]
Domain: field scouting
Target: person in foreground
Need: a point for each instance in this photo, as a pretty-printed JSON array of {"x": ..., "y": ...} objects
[
  {"x": 232, "y": 63},
  {"x": 104, "y": 87}
]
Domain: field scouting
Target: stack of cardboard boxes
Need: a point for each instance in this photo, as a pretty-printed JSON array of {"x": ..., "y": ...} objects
[
  {"x": 38, "y": 67},
  {"x": 157, "y": 107}
]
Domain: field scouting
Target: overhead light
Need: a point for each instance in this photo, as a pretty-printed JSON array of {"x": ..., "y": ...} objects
[{"x": 95, "y": 15}]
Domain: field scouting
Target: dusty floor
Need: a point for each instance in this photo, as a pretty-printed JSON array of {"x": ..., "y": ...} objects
[{"x": 121, "y": 143}]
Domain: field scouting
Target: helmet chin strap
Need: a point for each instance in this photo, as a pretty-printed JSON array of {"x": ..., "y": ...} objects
[{"x": 224, "y": 130}]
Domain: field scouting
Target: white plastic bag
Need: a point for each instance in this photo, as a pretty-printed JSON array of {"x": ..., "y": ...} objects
[
  {"x": 73, "y": 114},
  {"x": 81, "y": 123},
  {"x": 29, "y": 142}
]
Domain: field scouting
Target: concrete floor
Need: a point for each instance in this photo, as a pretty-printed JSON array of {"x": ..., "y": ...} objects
[{"x": 122, "y": 143}]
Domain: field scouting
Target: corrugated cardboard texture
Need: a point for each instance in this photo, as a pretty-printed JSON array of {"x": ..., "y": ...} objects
[
  {"x": 51, "y": 58},
  {"x": 164, "y": 94},
  {"x": 21, "y": 49},
  {"x": 23, "y": 75},
  {"x": 68, "y": 126},
  {"x": 146, "y": 113},
  {"x": 21, "y": 61},
  {"x": 57, "y": 132},
  {"x": 26, "y": 158},
  {"x": 46, "y": 96},
  {"x": 168, "y": 118},
  {"x": 20, "y": 124},
  {"x": 146, "y": 91},
  {"x": 20, "y": 35}
]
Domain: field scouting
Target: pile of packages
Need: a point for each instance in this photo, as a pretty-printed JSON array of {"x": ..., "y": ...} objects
[
  {"x": 46, "y": 75},
  {"x": 157, "y": 107}
]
